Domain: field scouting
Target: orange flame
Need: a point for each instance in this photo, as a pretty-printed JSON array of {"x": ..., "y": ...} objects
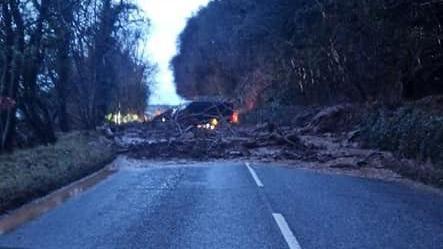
[{"x": 235, "y": 118}]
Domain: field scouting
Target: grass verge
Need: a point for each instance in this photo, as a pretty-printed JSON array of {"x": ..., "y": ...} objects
[
  {"x": 32, "y": 173},
  {"x": 412, "y": 131}
]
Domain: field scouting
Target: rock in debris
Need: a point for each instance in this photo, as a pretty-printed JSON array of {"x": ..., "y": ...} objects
[{"x": 336, "y": 118}]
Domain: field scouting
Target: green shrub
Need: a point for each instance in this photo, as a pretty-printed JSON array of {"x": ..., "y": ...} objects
[
  {"x": 409, "y": 131},
  {"x": 31, "y": 173}
]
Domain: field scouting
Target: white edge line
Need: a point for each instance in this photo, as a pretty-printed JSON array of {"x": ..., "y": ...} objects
[
  {"x": 254, "y": 175},
  {"x": 286, "y": 231}
]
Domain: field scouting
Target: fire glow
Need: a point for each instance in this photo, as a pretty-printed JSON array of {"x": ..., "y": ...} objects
[{"x": 235, "y": 118}]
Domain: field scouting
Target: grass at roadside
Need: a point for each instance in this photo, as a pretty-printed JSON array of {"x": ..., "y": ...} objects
[
  {"x": 410, "y": 132},
  {"x": 32, "y": 173}
]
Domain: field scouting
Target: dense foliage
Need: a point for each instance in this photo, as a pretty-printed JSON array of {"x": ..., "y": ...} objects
[
  {"x": 414, "y": 130},
  {"x": 312, "y": 52},
  {"x": 66, "y": 64}
]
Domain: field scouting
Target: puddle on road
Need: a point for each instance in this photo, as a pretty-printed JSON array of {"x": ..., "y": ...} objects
[{"x": 28, "y": 212}]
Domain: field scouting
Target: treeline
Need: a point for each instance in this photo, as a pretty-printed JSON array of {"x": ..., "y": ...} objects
[
  {"x": 66, "y": 64},
  {"x": 312, "y": 51}
]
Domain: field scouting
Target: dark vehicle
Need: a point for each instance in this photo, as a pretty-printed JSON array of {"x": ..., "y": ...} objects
[{"x": 206, "y": 112}]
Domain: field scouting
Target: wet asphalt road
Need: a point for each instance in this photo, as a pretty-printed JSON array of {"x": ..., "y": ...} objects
[{"x": 220, "y": 205}]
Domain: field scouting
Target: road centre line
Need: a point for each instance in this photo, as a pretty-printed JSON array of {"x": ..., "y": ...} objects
[
  {"x": 290, "y": 239},
  {"x": 254, "y": 175},
  {"x": 286, "y": 231}
]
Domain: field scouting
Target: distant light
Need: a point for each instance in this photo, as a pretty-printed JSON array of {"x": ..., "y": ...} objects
[
  {"x": 214, "y": 122},
  {"x": 118, "y": 118}
]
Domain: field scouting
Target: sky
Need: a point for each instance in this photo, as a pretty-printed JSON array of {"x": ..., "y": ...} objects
[{"x": 168, "y": 19}]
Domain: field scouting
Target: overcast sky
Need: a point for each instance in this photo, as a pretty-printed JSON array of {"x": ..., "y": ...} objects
[{"x": 168, "y": 19}]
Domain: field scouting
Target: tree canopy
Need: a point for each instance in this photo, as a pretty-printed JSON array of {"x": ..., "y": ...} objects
[{"x": 312, "y": 52}]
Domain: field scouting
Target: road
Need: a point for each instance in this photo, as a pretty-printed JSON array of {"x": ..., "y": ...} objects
[{"x": 228, "y": 205}]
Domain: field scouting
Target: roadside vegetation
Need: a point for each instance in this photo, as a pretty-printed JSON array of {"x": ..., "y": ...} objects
[
  {"x": 66, "y": 65},
  {"x": 312, "y": 52},
  {"x": 31, "y": 173},
  {"x": 414, "y": 131}
]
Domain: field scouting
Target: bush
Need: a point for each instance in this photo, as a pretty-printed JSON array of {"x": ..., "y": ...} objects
[
  {"x": 410, "y": 131},
  {"x": 32, "y": 173}
]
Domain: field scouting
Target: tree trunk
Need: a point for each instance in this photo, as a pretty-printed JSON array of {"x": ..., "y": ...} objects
[
  {"x": 9, "y": 80},
  {"x": 36, "y": 112},
  {"x": 63, "y": 67}
]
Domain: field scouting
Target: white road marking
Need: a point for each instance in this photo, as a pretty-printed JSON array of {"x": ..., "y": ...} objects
[
  {"x": 286, "y": 231},
  {"x": 254, "y": 175}
]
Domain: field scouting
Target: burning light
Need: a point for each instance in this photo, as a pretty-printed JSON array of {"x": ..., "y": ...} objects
[{"x": 235, "y": 118}]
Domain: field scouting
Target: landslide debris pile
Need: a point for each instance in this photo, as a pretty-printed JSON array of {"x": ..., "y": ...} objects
[
  {"x": 310, "y": 143},
  {"x": 343, "y": 137},
  {"x": 228, "y": 142}
]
